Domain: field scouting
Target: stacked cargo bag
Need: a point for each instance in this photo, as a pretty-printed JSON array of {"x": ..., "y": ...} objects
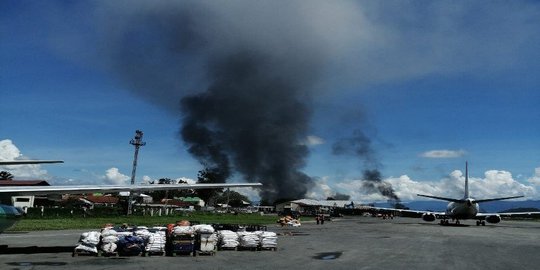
[
  {"x": 269, "y": 240},
  {"x": 207, "y": 243},
  {"x": 142, "y": 232},
  {"x": 183, "y": 230},
  {"x": 249, "y": 240},
  {"x": 206, "y": 239},
  {"x": 130, "y": 245},
  {"x": 228, "y": 239},
  {"x": 159, "y": 228},
  {"x": 88, "y": 243},
  {"x": 155, "y": 244},
  {"x": 182, "y": 241},
  {"x": 203, "y": 228},
  {"x": 109, "y": 239}
]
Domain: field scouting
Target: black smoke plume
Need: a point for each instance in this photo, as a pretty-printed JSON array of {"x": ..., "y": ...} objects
[
  {"x": 373, "y": 183},
  {"x": 251, "y": 121},
  {"x": 244, "y": 73},
  {"x": 359, "y": 145}
]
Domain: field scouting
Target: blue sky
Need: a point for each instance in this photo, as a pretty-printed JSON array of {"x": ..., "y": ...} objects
[{"x": 455, "y": 77}]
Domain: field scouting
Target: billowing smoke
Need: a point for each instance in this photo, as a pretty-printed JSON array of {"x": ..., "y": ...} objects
[
  {"x": 243, "y": 74},
  {"x": 341, "y": 197},
  {"x": 359, "y": 145},
  {"x": 251, "y": 121},
  {"x": 373, "y": 183}
]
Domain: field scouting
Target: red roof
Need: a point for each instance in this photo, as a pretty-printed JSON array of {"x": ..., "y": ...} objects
[
  {"x": 101, "y": 199},
  {"x": 23, "y": 183}
]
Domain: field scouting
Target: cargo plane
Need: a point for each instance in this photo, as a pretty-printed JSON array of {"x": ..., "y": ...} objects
[
  {"x": 462, "y": 209},
  {"x": 9, "y": 215}
]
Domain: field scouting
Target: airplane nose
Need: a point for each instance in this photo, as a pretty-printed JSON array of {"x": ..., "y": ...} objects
[{"x": 469, "y": 203}]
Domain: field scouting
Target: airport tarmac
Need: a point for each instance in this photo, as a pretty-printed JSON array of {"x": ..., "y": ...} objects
[{"x": 348, "y": 243}]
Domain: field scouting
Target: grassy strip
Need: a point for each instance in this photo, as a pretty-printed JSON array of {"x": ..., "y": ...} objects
[{"x": 98, "y": 222}]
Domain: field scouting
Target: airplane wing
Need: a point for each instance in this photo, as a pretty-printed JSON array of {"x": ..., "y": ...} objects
[
  {"x": 511, "y": 214},
  {"x": 21, "y": 162},
  {"x": 498, "y": 199},
  {"x": 408, "y": 212},
  {"x": 81, "y": 189},
  {"x": 440, "y": 198}
]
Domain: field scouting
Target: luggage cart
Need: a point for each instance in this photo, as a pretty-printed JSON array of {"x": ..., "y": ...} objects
[{"x": 180, "y": 244}]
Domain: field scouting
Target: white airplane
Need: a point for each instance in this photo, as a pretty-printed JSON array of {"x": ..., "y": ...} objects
[
  {"x": 9, "y": 215},
  {"x": 465, "y": 208}
]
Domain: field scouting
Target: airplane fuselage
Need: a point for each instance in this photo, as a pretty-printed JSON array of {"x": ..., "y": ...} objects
[{"x": 463, "y": 210}]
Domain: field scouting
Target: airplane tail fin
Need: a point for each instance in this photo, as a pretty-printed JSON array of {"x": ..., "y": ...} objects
[{"x": 466, "y": 180}]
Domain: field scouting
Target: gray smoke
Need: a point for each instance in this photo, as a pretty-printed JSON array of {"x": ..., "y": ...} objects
[
  {"x": 359, "y": 145},
  {"x": 243, "y": 74},
  {"x": 253, "y": 120},
  {"x": 373, "y": 183}
]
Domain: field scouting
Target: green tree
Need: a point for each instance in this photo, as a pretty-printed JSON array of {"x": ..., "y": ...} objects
[
  {"x": 208, "y": 176},
  {"x": 6, "y": 175},
  {"x": 161, "y": 194},
  {"x": 233, "y": 198}
]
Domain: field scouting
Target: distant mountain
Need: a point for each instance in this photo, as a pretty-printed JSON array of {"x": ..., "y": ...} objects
[{"x": 491, "y": 207}]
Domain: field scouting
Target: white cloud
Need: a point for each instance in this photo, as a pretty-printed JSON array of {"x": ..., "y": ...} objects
[
  {"x": 114, "y": 177},
  {"x": 251, "y": 193},
  {"x": 9, "y": 151},
  {"x": 185, "y": 179},
  {"x": 147, "y": 179},
  {"x": 536, "y": 178},
  {"x": 312, "y": 140},
  {"x": 495, "y": 183},
  {"x": 443, "y": 154},
  {"x": 321, "y": 190}
]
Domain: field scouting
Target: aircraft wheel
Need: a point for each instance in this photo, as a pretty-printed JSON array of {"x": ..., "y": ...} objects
[
  {"x": 478, "y": 223},
  {"x": 483, "y": 223}
]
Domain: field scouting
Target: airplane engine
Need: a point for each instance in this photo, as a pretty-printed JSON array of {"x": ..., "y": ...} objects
[
  {"x": 493, "y": 219},
  {"x": 428, "y": 217}
]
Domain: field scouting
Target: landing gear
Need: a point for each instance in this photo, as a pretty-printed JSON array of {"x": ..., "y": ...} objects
[
  {"x": 446, "y": 222},
  {"x": 480, "y": 222}
]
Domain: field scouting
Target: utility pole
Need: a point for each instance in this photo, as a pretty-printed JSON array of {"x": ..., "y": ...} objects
[{"x": 137, "y": 142}]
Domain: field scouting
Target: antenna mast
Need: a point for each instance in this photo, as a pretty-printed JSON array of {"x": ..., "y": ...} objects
[{"x": 137, "y": 142}]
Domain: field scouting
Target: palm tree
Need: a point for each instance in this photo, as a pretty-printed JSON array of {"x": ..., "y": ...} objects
[{"x": 6, "y": 175}]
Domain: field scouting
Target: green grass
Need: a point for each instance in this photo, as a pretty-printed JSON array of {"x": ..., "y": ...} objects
[{"x": 98, "y": 222}]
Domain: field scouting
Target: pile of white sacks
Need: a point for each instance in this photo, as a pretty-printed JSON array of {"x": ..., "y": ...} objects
[
  {"x": 269, "y": 240},
  {"x": 155, "y": 238},
  {"x": 88, "y": 243},
  {"x": 229, "y": 239},
  {"x": 154, "y": 241}
]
